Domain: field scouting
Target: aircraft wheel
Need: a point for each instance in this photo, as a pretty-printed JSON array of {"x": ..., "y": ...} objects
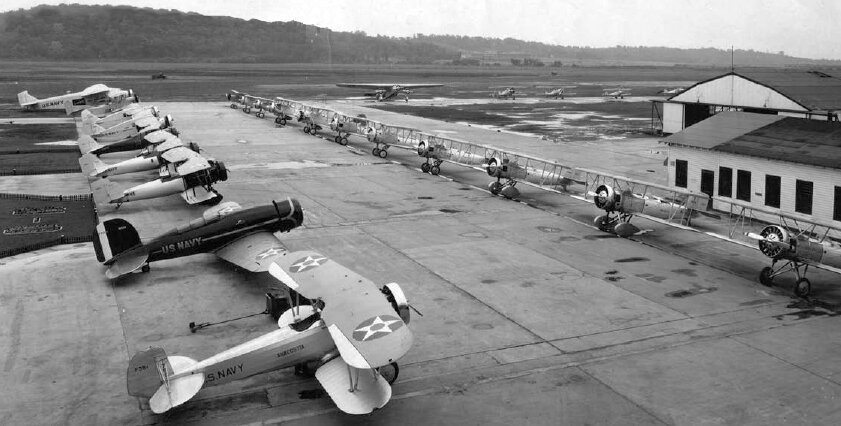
[
  {"x": 277, "y": 120},
  {"x": 802, "y": 287},
  {"x": 435, "y": 170},
  {"x": 306, "y": 129},
  {"x": 376, "y": 152},
  {"x": 765, "y": 276},
  {"x": 313, "y": 130},
  {"x": 337, "y": 139},
  {"x": 389, "y": 372},
  {"x": 145, "y": 268},
  {"x": 233, "y": 106},
  {"x": 495, "y": 187},
  {"x": 261, "y": 114},
  {"x": 282, "y": 121},
  {"x": 246, "y": 110},
  {"x": 602, "y": 223},
  {"x": 383, "y": 153},
  {"x": 343, "y": 141},
  {"x": 425, "y": 167}
]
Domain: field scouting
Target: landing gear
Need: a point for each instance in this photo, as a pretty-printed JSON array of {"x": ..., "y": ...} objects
[
  {"x": 802, "y": 287},
  {"x": 313, "y": 130},
  {"x": 382, "y": 153},
  {"x": 425, "y": 167},
  {"x": 337, "y": 139},
  {"x": 261, "y": 114},
  {"x": 306, "y": 129},
  {"x": 343, "y": 140},
  {"x": 507, "y": 189},
  {"x": 495, "y": 187},
  {"x": 434, "y": 168},
  {"x": 389, "y": 372},
  {"x": 145, "y": 268},
  {"x": 246, "y": 109},
  {"x": 234, "y": 106}
]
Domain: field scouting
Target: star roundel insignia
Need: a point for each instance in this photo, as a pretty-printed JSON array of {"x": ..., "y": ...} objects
[
  {"x": 374, "y": 328},
  {"x": 270, "y": 252},
  {"x": 306, "y": 263}
]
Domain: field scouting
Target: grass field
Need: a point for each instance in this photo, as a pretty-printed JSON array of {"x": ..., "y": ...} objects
[
  {"x": 26, "y": 149},
  {"x": 31, "y": 223}
]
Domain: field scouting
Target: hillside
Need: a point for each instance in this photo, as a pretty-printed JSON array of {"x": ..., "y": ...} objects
[{"x": 122, "y": 33}]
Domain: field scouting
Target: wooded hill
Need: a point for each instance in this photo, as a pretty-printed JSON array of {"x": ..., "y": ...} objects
[{"x": 122, "y": 33}]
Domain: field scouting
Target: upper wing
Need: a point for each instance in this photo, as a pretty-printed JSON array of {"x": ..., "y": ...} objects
[
  {"x": 192, "y": 165},
  {"x": 352, "y": 302},
  {"x": 254, "y": 252},
  {"x": 170, "y": 144},
  {"x": 419, "y": 86},
  {"x": 159, "y": 136},
  {"x": 95, "y": 90},
  {"x": 178, "y": 154},
  {"x": 386, "y": 85}
]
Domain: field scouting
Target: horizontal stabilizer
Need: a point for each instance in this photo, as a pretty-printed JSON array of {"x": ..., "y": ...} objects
[
  {"x": 371, "y": 392},
  {"x": 87, "y": 144},
  {"x": 104, "y": 191},
  {"x": 91, "y": 165},
  {"x": 198, "y": 194},
  {"x": 127, "y": 264},
  {"x": 175, "y": 392}
]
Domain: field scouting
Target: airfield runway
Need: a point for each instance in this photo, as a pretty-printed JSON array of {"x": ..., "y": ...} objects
[{"x": 531, "y": 315}]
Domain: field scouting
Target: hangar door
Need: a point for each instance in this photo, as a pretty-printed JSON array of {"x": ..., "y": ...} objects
[{"x": 694, "y": 113}]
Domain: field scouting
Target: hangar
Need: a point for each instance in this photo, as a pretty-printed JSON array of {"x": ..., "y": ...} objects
[
  {"x": 774, "y": 162},
  {"x": 805, "y": 94}
]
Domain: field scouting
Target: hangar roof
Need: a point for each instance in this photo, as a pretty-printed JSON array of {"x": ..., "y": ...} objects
[
  {"x": 814, "y": 90},
  {"x": 775, "y": 137}
]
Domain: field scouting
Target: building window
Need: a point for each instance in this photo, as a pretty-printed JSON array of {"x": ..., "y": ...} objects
[
  {"x": 681, "y": 173},
  {"x": 743, "y": 185},
  {"x": 772, "y": 191},
  {"x": 803, "y": 196},
  {"x": 836, "y": 211},
  {"x": 725, "y": 182}
]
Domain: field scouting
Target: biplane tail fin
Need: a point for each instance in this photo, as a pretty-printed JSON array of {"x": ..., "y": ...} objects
[
  {"x": 104, "y": 191},
  {"x": 91, "y": 165},
  {"x": 25, "y": 99},
  {"x": 149, "y": 375},
  {"x": 87, "y": 144}
]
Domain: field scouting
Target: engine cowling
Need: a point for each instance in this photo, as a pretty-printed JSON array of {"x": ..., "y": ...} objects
[
  {"x": 606, "y": 198},
  {"x": 423, "y": 151},
  {"x": 155, "y": 111},
  {"x": 771, "y": 234},
  {"x": 228, "y": 96},
  {"x": 168, "y": 121},
  {"x": 394, "y": 294},
  {"x": 497, "y": 167},
  {"x": 371, "y": 134}
]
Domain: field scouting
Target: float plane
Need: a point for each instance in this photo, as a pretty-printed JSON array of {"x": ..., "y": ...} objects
[
  {"x": 349, "y": 336},
  {"x": 387, "y": 92},
  {"x": 244, "y": 237}
]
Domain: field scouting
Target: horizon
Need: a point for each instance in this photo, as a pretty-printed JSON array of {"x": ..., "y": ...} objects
[{"x": 595, "y": 24}]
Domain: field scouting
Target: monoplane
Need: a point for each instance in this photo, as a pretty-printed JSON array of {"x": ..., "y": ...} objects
[
  {"x": 350, "y": 337},
  {"x": 97, "y": 94},
  {"x": 616, "y": 93},
  {"x": 243, "y": 237}
]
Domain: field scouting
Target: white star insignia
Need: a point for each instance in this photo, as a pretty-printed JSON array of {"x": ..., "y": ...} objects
[
  {"x": 377, "y": 326},
  {"x": 307, "y": 263},
  {"x": 269, "y": 253}
]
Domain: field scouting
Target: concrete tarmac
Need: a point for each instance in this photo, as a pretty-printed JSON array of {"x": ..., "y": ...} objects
[{"x": 531, "y": 315}]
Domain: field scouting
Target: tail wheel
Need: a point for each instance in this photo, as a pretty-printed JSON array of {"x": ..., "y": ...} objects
[
  {"x": 343, "y": 141},
  {"x": 383, "y": 153},
  {"x": 376, "y": 152},
  {"x": 495, "y": 187},
  {"x": 425, "y": 167},
  {"x": 802, "y": 287},
  {"x": 435, "y": 170},
  {"x": 389, "y": 372}
]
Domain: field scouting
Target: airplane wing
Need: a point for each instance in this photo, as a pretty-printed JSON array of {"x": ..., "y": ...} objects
[
  {"x": 171, "y": 143},
  {"x": 178, "y": 154},
  {"x": 146, "y": 121},
  {"x": 159, "y": 136},
  {"x": 371, "y": 392},
  {"x": 192, "y": 165},
  {"x": 386, "y": 85},
  {"x": 374, "y": 334},
  {"x": 95, "y": 90},
  {"x": 197, "y": 194},
  {"x": 253, "y": 252}
]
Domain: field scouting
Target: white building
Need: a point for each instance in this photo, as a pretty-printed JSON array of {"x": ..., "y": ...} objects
[
  {"x": 778, "y": 163},
  {"x": 806, "y": 94}
]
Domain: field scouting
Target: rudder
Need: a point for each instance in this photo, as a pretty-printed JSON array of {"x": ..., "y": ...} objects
[
  {"x": 147, "y": 371},
  {"x": 113, "y": 237},
  {"x": 25, "y": 99},
  {"x": 91, "y": 165}
]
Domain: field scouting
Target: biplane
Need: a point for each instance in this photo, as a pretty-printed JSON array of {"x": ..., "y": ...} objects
[
  {"x": 128, "y": 113},
  {"x": 794, "y": 244},
  {"x": 616, "y": 93},
  {"x": 350, "y": 336},
  {"x": 505, "y": 93},
  {"x": 235, "y": 98},
  {"x": 383, "y": 136},
  {"x": 255, "y": 103},
  {"x": 193, "y": 179},
  {"x": 388, "y": 91},
  {"x": 146, "y": 137},
  {"x": 131, "y": 127},
  {"x": 316, "y": 119},
  {"x": 557, "y": 92},
  {"x": 164, "y": 156},
  {"x": 243, "y": 237},
  {"x": 286, "y": 109}
]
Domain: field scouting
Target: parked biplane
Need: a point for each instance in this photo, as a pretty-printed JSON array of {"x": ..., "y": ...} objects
[
  {"x": 616, "y": 93},
  {"x": 383, "y": 136},
  {"x": 193, "y": 179},
  {"x": 235, "y": 98},
  {"x": 165, "y": 156},
  {"x": 285, "y": 110},
  {"x": 131, "y": 127},
  {"x": 130, "y": 112},
  {"x": 557, "y": 92},
  {"x": 505, "y": 93},
  {"x": 386, "y": 92},
  {"x": 350, "y": 337},
  {"x": 437, "y": 149},
  {"x": 794, "y": 244},
  {"x": 146, "y": 137},
  {"x": 243, "y": 237}
]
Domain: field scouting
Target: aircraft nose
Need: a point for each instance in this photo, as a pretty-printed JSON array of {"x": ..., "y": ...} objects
[{"x": 290, "y": 213}]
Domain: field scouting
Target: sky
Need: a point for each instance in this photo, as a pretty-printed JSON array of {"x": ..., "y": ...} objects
[{"x": 801, "y": 28}]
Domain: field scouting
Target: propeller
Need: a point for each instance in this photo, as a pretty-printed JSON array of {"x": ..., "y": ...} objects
[
  {"x": 605, "y": 198},
  {"x": 772, "y": 240}
]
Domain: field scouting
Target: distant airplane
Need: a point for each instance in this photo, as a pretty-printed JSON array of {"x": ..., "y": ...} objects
[
  {"x": 557, "y": 93},
  {"x": 138, "y": 123},
  {"x": 674, "y": 91},
  {"x": 349, "y": 337},
  {"x": 129, "y": 112},
  {"x": 616, "y": 93},
  {"x": 244, "y": 237},
  {"x": 97, "y": 94},
  {"x": 194, "y": 179},
  {"x": 505, "y": 93},
  {"x": 386, "y": 92},
  {"x": 236, "y": 98}
]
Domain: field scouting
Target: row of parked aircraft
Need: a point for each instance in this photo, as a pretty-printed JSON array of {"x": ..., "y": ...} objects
[
  {"x": 558, "y": 92},
  {"x": 339, "y": 326},
  {"x": 793, "y": 242}
]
